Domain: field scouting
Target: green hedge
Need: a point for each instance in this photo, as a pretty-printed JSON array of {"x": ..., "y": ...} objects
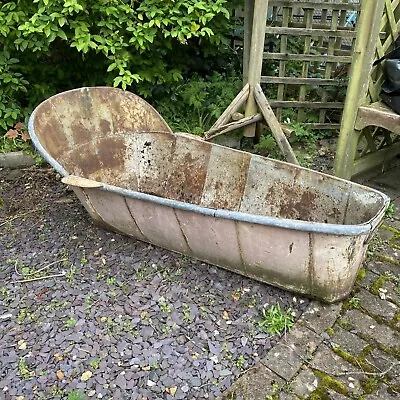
[{"x": 47, "y": 46}]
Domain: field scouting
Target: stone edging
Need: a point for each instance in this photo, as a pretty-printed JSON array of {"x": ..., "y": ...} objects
[{"x": 17, "y": 159}]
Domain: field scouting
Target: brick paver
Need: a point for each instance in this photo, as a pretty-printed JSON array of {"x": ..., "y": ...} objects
[{"x": 349, "y": 350}]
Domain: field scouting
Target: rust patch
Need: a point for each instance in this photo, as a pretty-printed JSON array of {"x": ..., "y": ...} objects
[
  {"x": 49, "y": 131},
  {"x": 230, "y": 197},
  {"x": 54, "y": 141},
  {"x": 189, "y": 172},
  {"x": 293, "y": 202},
  {"x": 80, "y": 133},
  {"x": 105, "y": 126},
  {"x": 111, "y": 153},
  {"x": 87, "y": 162}
]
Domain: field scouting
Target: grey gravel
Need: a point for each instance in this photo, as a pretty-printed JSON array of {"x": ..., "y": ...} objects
[{"x": 106, "y": 315}]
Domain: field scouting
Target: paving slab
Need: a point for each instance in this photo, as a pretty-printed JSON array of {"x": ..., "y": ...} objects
[
  {"x": 388, "y": 180},
  {"x": 286, "y": 358},
  {"x": 319, "y": 317},
  {"x": 304, "y": 383},
  {"x": 376, "y": 306},
  {"x": 258, "y": 383},
  {"x": 367, "y": 326},
  {"x": 347, "y": 341}
]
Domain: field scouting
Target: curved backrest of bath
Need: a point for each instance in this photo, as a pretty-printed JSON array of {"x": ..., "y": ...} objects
[{"x": 89, "y": 131}]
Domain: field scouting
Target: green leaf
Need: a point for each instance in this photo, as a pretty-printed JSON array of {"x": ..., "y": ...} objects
[
  {"x": 111, "y": 67},
  {"x": 62, "y": 35}
]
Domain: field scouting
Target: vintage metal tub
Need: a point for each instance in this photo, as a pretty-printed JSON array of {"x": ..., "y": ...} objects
[{"x": 272, "y": 221}]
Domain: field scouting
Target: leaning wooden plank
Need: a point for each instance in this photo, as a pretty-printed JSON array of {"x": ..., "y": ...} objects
[
  {"x": 274, "y": 125},
  {"x": 211, "y": 134},
  {"x": 237, "y": 102},
  {"x": 256, "y": 59}
]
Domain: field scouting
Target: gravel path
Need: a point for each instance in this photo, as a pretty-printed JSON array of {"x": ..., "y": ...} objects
[{"x": 123, "y": 320}]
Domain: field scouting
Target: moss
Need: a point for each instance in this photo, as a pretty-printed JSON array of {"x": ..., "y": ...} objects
[
  {"x": 330, "y": 331},
  {"x": 358, "y": 362},
  {"x": 327, "y": 381},
  {"x": 388, "y": 259},
  {"x": 369, "y": 385},
  {"x": 319, "y": 394},
  {"x": 378, "y": 284},
  {"x": 361, "y": 274},
  {"x": 394, "y": 323},
  {"x": 393, "y": 351},
  {"x": 390, "y": 229},
  {"x": 345, "y": 325}
]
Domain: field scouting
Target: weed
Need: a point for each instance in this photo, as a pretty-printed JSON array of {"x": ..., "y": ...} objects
[
  {"x": 390, "y": 210},
  {"x": 111, "y": 281},
  {"x": 94, "y": 363},
  {"x": 240, "y": 362},
  {"x": 88, "y": 299},
  {"x": 195, "y": 104},
  {"x": 164, "y": 307},
  {"x": 251, "y": 302},
  {"x": 276, "y": 321},
  {"x": 84, "y": 260},
  {"x": 4, "y": 292},
  {"x": 186, "y": 312},
  {"x": 25, "y": 315},
  {"x": 71, "y": 274},
  {"x": 354, "y": 302},
  {"x": 227, "y": 352},
  {"x": 101, "y": 274},
  {"x": 71, "y": 322},
  {"x": 375, "y": 244},
  {"x": 166, "y": 329},
  {"x": 56, "y": 391},
  {"x": 266, "y": 144},
  {"x": 76, "y": 395},
  {"x": 23, "y": 369}
]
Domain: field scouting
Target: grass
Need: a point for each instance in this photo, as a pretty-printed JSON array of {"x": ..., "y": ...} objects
[
  {"x": 76, "y": 395},
  {"x": 94, "y": 363},
  {"x": 276, "y": 321},
  {"x": 71, "y": 322},
  {"x": 23, "y": 369},
  {"x": 354, "y": 302}
]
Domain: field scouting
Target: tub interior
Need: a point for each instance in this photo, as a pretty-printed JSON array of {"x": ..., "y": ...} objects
[{"x": 117, "y": 138}]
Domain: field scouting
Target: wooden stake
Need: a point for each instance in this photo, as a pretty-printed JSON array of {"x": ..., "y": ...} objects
[
  {"x": 211, "y": 134},
  {"x": 256, "y": 58},
  {"x": 237, "y": 102},
  {"x": 274, "y": 125}
]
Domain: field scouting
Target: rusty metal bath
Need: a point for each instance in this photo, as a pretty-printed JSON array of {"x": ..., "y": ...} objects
[{"x": 275, "y": 222}]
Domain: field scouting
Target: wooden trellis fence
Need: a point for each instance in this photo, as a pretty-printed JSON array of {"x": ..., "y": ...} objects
[{"x": 304, "y": 54}]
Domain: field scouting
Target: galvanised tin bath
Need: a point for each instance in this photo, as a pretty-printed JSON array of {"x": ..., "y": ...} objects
[{"x": 278, "y": 223}]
